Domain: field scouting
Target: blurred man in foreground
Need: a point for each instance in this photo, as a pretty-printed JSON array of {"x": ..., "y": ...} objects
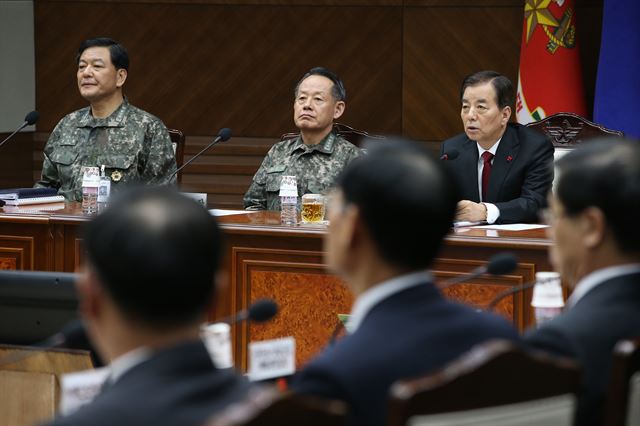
[
  {"x": 131, "y": 144},
  {"x": 315, "y": 157},
  {"x": 152, "y": 260},
  {"x": 504, "y": 169},
  {"x": 391, "y": 211},
  {"x": 594, "y": 224}
]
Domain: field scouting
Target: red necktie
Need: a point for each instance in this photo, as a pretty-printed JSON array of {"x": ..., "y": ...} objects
[{"x": 486, "y": 172}]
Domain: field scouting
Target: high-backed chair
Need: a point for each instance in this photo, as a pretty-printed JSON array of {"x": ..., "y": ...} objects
[
  {"x": 494, "y": 375},
  {"x": 177, "y": 139},
  {"x": 566, "y": 129},
  {"x": 352, "y": 135},
  {"x": 269, "y": 407},
  {"x": 622, "y": 406}
]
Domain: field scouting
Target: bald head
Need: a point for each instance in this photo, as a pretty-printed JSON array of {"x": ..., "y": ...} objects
[{"x": 156, "y": 253}]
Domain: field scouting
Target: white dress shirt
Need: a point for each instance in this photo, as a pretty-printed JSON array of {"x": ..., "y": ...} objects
[
  {"x": 126, "y": 362},
  {"x": 594, "y": 279},
  {"x": 493, "y": 213},
  {"x": 376, "y": 294}
]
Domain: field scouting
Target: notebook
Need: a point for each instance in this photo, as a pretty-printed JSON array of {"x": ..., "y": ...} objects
[
  {"x": 26, "y": 193},
  {"x": 36, "y": 200}
]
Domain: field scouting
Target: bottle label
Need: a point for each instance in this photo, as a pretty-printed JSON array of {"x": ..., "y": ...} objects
[
  {"x": 104, "y": 190},
  {"x": 90, "y": 176}
]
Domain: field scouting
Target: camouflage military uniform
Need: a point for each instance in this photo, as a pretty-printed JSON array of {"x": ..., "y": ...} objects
[
  {"x": 315, "y": 167},
  {"x": 133, "y": 145}
]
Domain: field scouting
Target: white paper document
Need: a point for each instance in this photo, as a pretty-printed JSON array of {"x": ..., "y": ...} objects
[
  {"x": 79, "y": 388},
  {"x": 466, "y": 223},
  {"x": 221, "y": 212},
  {"x": 513, "y": 226},
  {"x": 270, "y": 359}
]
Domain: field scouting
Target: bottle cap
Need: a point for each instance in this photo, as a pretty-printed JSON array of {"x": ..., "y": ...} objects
[
  {"x": 288, "y": 186},
  {"x": 547, "y": 292},
  {"x": 90, "y": 176}
]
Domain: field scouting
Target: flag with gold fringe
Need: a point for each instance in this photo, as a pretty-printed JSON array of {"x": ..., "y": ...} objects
[{"x": 550, "y": 77}]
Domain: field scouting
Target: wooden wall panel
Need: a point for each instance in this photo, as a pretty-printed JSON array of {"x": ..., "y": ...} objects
[
  {"x": 15, "y": 160},
  {"x": 441, "y": 46},
  {"x": 200, "y": 67}
]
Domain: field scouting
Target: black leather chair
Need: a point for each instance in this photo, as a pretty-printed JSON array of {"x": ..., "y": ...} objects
[
  {"x": 177, "y": 138},
  {"x": 494, "y": 374},
  {"x": 269, "y": 407},
  {"x": 352, "y": 135},
  {"x": 625, "y": 364},
  {"x": 566, "y": 129}
]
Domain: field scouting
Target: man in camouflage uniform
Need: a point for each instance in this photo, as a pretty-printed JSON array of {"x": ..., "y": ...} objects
[
  {"x": 315, "y": 157},
  {"x": 131, "y": 144}
]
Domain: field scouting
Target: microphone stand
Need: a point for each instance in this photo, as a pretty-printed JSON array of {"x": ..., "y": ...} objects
[
  {"x": 25, "y": 124},
  {"x": 217, "y": 140},
  {"x": 512, "y": 290},
  {"x": 466, "y": 277}
]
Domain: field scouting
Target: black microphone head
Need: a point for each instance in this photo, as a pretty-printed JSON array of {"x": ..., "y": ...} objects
[
  {"x": 224, "y": 134},
  {"x": 32, "y": 117},
  {"x": 262, "y": 310},
  {"x": 453, "y": 154},
  {"x": 502, "y": 263}
]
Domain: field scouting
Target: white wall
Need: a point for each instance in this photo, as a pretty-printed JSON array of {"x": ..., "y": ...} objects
[{"x": 17, "y": 63}]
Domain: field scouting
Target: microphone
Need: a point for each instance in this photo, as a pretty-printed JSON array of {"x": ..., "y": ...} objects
[
  {"x": 223, "y": 136},
  {"x": 260, "y": 311},
  {"x": 74, "y": 336},
  {"x": 512, "y": 290},
  {"x": 29, "y": 120},
  {"x": 499, "y": 264},
  {"x": 451, "y": 155}
]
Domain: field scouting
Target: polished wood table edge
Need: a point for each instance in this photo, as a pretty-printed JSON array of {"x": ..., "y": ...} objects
[
  {"x": 267, "y": 223},
  {"x": 267, "y": 230},
  {"x": 507, "y": 241},
  {"x": 16, "y": 217}
]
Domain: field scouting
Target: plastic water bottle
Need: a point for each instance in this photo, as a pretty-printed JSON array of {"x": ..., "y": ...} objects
[
  {"x": 547, "y": 299},
  {"x": 289, "y": 200},
  {"x": 89, "y": 199},
  {"x": 288, "y": 210},
  {"x": 90, "y": 184},
  {"x": 104, "y": 190}
]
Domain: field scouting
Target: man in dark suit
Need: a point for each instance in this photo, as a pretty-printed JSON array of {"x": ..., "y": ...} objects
[
  {"x": 388, "y": 218},
  {"x": 504, "y": 169},
  {"x": 594, "y": 223},
  {"x": 152, "y": 258}
]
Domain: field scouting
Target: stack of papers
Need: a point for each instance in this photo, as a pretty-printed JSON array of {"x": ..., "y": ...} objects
[{"x": 25, "y": 196}]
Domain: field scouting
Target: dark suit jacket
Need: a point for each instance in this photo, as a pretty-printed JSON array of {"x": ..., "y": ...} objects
[
  {"x": 176, "y": 386},
  {"x": 411, "y": 333},
  {"x": 521, "y": 176},
  {"x": 588, "y": 332}
]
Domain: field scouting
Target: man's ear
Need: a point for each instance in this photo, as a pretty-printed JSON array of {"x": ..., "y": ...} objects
[
  {"x": 121, "y": 77},
  {"x": 594, "y": 227},
  {"x": 90, "y": 294},
  {"x": 506, "y": 115},
  {"x": 338, "y": 110}
]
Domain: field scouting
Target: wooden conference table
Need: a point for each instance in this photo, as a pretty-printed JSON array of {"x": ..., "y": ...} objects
[{"x": 266, "y": 259}]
